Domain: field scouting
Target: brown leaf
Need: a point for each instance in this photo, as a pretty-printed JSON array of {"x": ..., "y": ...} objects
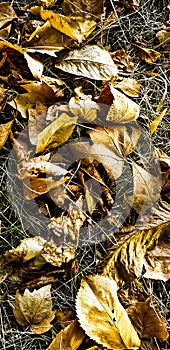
[
  {"x": 5, "y": 32},
  {"x": 90, "y": 61},
  {"x": 56, "y": 133},
  {"x": 76, "y": 28},
  {"x": 102, "y": 316},
  {"x": 7, "y": 14},
  {"x": 164, "y": 37},
  {"x": 64, "y": 318},
  {"x": 69, "y": 338},
  {"x": 155, "y": 123},
  {"x": 87, "y": 9},
  {"x": 147, "y": 320},
  {"x": 47, "y": 3},
  {"x": 55, "y": 255},
  {"x": 148, "y": 55},
  {"x": 123, "y": 61},
  {"x": 5, "y": 130},
  {"x": 34, "y": 309}
]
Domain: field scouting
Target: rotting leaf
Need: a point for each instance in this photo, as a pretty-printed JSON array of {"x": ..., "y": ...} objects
[
  {"x": 155, "y": 123},
  {"x": 7, "y": 14},
  {"x": 69, "y": 338},
  {"x": 5, "y": 130},
  {"x": 147, "y": 320},
  {"x": 148, "y": 55},
  {"x": 127, "y": 261},
  {"x": 76, "y": 28},
  {"x": 90, "y": 61},
  {"x": 87, "y": 9},
  {"x": 34, "y": 309},
  {"x": 56, "y": 133},
  {"x": 102, "y": 316}
]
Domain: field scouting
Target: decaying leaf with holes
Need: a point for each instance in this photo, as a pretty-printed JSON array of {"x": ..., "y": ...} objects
[
  {"x": 127, "y": 261},
  {"x": 102, "y": 316},
  {"x": 34, "y": 309}
]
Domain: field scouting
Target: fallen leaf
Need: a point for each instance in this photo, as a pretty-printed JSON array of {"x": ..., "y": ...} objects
[
  {"x": 127, "y": 261},
  {"x": 69, "y": 338},
  {"x": 90, "y": 61},
  {"x": 129, "y": 86},
  {"x": 5, "y": 32},
  {"x": 164, "y": 38},
  {"x": 123, "y": 109},
  {"x": 57, "y": 255},
  {"x": 86, "y": 9},
  {"x": 64, "y": 318},
  {"x": 36, "y": 121},
  {"x": 147, "y": 320},
  {"x": 5, "y": 130},
  {"x": 47, "y": 3},
  {"x": 34, "y": 309},
  {"x": 102, "y": 316},
  {"x": 7, "y": 14},
  {"x": 123, "y": 61},
  {"x": 133, "y": 4},
  {"x": 76, "y": 28},
  {"x": 82, "y": 105},
  {"x": 148, "y": 55},
  {"x": 155, "y": 123},
  {"x": 56, "y": 133}
]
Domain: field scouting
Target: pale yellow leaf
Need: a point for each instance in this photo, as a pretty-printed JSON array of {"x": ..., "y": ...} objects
[
  {"x": 36, "y": 67},
  {"x": 102, "y": 316},
  {"x": 34, "y": 309},
  {"x": 76, "y": 28},
  {"x": 155, "y": 123},
  {"x": 70, "y": 338},
  {"x": 129, "y": 86},
  {"x": 123, "y": 109},
  {"x": 7, "y": 14},
  {"x": 82, "y": 105},
  {"x": 56, "y": 133},
  {"x": 5, "y": 130},
  {"x": 164, "y": 38},
  {"x": 90, "y": 61}
]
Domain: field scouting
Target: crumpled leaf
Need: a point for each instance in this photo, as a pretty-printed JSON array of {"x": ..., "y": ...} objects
[
  {"x": 155, "y": 123},
  {"x": 76, "y": 28},
  {"x": 56, "y": 133},
  {"x": 86, "y": 9},
  {"x": 123, "y": 61},
  {"x": 148, "y": 55},
  {"x": 129, "y": 86},
  {"x": 127, "y": 261},
  {"x": 46, "y": 39},
  {"x": 102, "y": 316},
  {"x": 90, "y": 61},
  {"x": 7, "y": 14},
  {"x": 34, "y": 309},
  {"x": 5, "y": 130},
  {"x": 147, "y": 320},
  {"x": 55, "y": 255},
  {"x": 123, "y": 109},
  {"x": 69, "y": 338}
]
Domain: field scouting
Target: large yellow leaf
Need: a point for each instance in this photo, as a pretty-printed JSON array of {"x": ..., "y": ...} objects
[
  {"x": 102, "y": 316},
  {"x": 76, "y": 28},
  {"x": 123, "y": 109},
  {"x": 5, "y": 131},
  {"x": 34, "y": 309},
  {"x": 90, "y": 61},
  {"x": 56, "y": 133},
  {"x": 127, "y": 261},
  {"x": 69, "y": 338}
]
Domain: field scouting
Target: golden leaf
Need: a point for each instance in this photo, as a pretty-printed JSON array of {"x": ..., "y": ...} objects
[
  {"x": 147, "y": 320},
  {"x": 129, "y": 86},
  {"x": 123, "y": 109},
  {"x": 155, "y": 123},
  {"x": 56, "y": 133},
  {"x": 90, "y": 61},
  {"x": 127, "y": 261},
  {"x": 87, "y": 9},
  {"x": 102, "y": 316},
  {"x": 5, "y": 130},
  {"x": 34, "y": 309},
  {"x": 7, "y": 14},
  {"x": 76, "y": 28},
  {"x": 148, "y": 55},
  {"x": 69, "y": 338}
]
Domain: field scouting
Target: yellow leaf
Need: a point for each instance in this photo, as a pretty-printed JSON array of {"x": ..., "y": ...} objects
[
  {"x": 129, "y": 86},
  {"x": 34, "y": 309},
  {"x": 76, "y": 28},
  {"x": 90, "y": 61},
  {"x": 70, "y": 338},
  {"x": 56, "y": 133},
  {"x": 123, "y": 109},
  {"x": 5, "y": 130},
  {"x": 102, "y": 316},
  {"x": 148, "y": 55},
  {"x": 84, "y": 8},
  {"x": 157, "y": 120}
]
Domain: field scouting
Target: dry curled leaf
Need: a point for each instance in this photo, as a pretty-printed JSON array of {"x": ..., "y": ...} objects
[
  {"x": 76, "y": 28},
  {"x": 102, "y": 316},
  {"x": 7, "y": 14},
  {"x": 155, "y": 123},
  {"x": 90, "y": 61},
  {"x": 86, "y": 9},
  {"x": 5, "y": 130},
  {"x": 34, "y": 309},
  {"x": 69, "y": 338},
  {"x": 56, "y": 133},
  {"x": 148, "y": 55},
  {"x": 127, "y": 261},
  {"x": 147, "y": 320}
]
